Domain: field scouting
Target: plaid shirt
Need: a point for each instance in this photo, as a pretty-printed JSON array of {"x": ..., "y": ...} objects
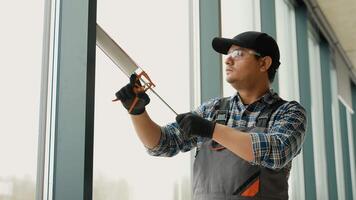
[{"x": 273, "y": 148}]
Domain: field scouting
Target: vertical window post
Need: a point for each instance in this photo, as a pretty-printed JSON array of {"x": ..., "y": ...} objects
[
  {"x": 305, "y": 100},
  {"x": 69, "y": 125}
]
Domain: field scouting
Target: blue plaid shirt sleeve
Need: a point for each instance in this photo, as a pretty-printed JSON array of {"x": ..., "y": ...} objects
[
  {"x": 283, "y": 140},
  {"x": 172, "y": 141}
]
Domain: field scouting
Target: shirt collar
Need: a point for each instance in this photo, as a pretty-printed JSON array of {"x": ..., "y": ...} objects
[{"x": 268, "y": 98}]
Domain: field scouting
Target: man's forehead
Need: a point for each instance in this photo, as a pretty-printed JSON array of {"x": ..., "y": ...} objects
[{"x": 235, "y": 47}]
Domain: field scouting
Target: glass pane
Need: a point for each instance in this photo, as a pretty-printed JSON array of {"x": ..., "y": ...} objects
[
  {"x": 237, "y": 16},
  {"x": 286, "y": 38},
  {"x": 156, "y": 35},
  {"x": 20, "y": 76},
  {"x": 289, "y": 81}
]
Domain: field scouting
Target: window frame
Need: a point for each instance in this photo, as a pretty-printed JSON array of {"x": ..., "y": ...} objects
[{"x": 68, "y": 72}]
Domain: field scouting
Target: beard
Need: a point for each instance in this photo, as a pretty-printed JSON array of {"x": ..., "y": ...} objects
[{"x": 233, "y": 81}]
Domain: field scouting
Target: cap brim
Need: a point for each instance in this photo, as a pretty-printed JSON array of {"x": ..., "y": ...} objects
[{"x": 222, "y": 45}]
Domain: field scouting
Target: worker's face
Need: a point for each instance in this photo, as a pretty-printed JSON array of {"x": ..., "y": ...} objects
[{"x": 242, "y": 67}]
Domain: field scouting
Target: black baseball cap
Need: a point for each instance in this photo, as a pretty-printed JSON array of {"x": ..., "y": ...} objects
[{"x": 260, "y": 42}]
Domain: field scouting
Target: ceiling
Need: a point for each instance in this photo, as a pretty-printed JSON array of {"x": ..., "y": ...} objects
[{"x": 341, "y": 16}]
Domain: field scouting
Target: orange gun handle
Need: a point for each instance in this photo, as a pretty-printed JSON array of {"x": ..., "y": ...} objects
[{"x": 137, "y": 88}]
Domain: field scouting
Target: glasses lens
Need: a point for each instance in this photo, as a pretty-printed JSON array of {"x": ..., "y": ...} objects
[
  {"x": 238, "y": 53},
  {"x": 234, "y": 54}
]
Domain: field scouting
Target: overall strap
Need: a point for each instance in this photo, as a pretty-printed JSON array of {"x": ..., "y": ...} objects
[
  {"x": 266, "y": 113},
  {"x": 222, "y": 113},
  {"x": 221, "y": 116}
]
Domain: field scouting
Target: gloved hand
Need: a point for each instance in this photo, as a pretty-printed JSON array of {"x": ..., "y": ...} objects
[
  {"x": 127, "y": 95},
  {"x": 194, "y": 125}
]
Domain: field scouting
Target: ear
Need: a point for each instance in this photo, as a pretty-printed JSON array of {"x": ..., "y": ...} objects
[{"x": 265, "y": 63}]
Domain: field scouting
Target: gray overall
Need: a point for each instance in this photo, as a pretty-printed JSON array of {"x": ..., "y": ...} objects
[{"x": 219, "y": 174}]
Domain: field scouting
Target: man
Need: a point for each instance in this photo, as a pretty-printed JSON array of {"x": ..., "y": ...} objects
[{"x": 246, "y": 142}]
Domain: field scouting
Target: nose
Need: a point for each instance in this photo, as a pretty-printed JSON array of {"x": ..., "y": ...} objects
[{"x": 228, "y": 60}]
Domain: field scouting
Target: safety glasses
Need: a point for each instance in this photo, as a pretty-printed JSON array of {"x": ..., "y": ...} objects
[{"x": 240, "y": 53}]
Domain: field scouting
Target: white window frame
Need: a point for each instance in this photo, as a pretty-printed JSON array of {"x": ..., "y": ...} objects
[
  {"x": 337, "y": 136},
  {"x": 317, "y": 114},
  {"x": 49, "y": 80}
]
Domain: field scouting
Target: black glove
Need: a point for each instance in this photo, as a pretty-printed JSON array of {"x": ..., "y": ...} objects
[
  {"x": 194, "y": 125},
  {"x": 127, "y": 95}
]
